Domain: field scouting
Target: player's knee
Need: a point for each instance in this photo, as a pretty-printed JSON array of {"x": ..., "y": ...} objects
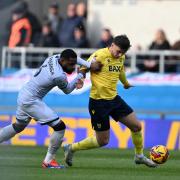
[
  {"x": 137, "y": 127},
  {"x": 59, "y": 126},
  {"x": 103, "y": 141},
  {"x": 18, "y": 127}
]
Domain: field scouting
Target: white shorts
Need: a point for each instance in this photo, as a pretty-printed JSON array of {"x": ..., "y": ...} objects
[{"x": 37, "y": 110}]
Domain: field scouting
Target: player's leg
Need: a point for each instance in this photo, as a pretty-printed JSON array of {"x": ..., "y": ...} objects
[
  {"x": 11, "y": 130},
  {"x": 46, "y": 116},
  {"x": 100, "y": 123},
  {"x": 101, "y": 139},
  {"x": 22, "y": 120},
  {"x": 125, "y": 115},
  {"x": 55, "y": 142},
  {"x": 134, "y": 125}
]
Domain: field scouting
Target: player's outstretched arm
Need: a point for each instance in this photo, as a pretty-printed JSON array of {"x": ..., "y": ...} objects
[{"x": 93, "y": 65}]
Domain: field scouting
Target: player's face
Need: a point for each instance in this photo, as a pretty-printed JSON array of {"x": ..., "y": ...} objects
[
  {"x": 69, "y": 65},
  {"x": 116, "y": 51}
]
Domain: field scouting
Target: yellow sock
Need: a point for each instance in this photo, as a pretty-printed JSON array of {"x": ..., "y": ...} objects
[
  {"x": 138, "y": 142},
  {"x": 88, "y": 143}
]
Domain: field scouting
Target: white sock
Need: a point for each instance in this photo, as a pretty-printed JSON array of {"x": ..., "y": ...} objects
[
  {"x": 55, "y": 142},
  {"x": 7, "y": 133}
]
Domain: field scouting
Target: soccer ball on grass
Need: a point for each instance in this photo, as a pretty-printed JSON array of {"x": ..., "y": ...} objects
[{"x": 159, "y": 154}]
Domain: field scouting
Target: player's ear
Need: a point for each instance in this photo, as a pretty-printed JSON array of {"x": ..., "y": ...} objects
[{"x": 63, "y": 60}]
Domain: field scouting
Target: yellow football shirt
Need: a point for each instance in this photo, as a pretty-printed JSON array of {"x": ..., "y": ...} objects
[{"x": 104, "y": 83}]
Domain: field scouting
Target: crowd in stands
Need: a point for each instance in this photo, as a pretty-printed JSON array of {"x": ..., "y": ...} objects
[
  {"x": 70, "y": 31},
  {"x": 54, "y": 31},
  {"x": 160, "y": 42}
]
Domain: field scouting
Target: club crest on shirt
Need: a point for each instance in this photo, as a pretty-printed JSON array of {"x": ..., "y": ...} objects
[{"x": 108, "y": 60}]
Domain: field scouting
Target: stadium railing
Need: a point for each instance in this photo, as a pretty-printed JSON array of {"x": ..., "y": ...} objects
[{"x": 23, "y": 55}]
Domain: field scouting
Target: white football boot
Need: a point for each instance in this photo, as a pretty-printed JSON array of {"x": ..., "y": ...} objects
[
  {"x": 144, "y": 160},
  {"x": 68, "y": 154}
]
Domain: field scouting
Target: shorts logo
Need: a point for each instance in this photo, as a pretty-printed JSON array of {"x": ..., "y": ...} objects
[
  {"x": 99, "y": 126},
  {"x": 93, "y": 111}
]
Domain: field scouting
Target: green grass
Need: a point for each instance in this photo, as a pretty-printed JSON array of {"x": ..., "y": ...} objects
[{"x": 24, "y": 163}]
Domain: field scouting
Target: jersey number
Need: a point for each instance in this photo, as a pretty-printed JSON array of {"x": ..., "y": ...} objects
[{"x": 39, "y": 70}]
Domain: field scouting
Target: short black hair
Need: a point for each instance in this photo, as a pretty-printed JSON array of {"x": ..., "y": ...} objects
[
  {"x": 68, "y": 53},
  {"x": 122, "y": 41},
  {"x": 54, "y": 5}
]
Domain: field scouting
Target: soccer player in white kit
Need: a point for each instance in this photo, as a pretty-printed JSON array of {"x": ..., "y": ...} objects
[{"x": 30, "y": 105}]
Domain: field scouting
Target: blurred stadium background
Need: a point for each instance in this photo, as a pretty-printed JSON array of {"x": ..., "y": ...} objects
[{"x": 155, "y": 97}]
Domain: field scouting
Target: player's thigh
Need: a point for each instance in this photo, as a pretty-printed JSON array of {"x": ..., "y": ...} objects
[
  {"x": 123, "y": 113},
  {"x": 40, "y": 112},
  {"x": 131, "y": 122},
  {"x": 119, "y": 108},
  {"x": 99, "y": 115}
]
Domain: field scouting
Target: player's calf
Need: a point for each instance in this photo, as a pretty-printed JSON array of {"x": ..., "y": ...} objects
[
  {"x": 55, "y": 140},
  {"x": 11, "y": 130}
]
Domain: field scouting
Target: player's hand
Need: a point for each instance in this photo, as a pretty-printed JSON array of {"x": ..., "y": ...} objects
[
  {"x": 127, "y": 86},
  {"x": 82, "y": 71},
  {"x": 96, "y": 66},
  {"x": 80, "y": 84}
]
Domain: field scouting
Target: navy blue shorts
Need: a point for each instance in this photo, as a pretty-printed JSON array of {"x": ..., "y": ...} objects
[{"x": 101, "y": 110}]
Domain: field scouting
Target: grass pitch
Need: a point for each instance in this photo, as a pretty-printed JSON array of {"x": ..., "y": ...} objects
[{"x": 24, "y": 163}]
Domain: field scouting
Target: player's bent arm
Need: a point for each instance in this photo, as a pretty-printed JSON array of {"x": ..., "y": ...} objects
[
  {"x": 122, "y": 77},
  {"x": 72, "y": 85},
  {"x": 91, "y": 63},
  {"x": 82, "y": 62},
  {"x": 65, "y": 86},
  {"x": 83, "y": 71},
  {"x": 124, "y": 81}
]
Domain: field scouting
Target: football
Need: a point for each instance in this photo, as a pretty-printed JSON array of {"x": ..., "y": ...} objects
[{"x": 159, "y": 154}]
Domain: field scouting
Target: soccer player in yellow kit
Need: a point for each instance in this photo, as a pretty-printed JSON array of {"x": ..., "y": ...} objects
[{"x": 105, "y": 102}]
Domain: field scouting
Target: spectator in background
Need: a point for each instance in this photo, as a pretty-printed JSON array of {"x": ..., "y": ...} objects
[
  {"x": 175, "y": 65},
  {"x": 48, "y": 38},
  {"x": 80, "y": 40},
  {"x": 81, "y": 11},
  {"x": 21, "y": 29},
  {"x": 66, "y": 33},
  {"x": 160, "y": 43},
  {"x": 54, "y": 17},
  {"x": 106, "y": 38},
  {"x": 35, "y": 24},
  {"x": 176, "y": 45}
]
